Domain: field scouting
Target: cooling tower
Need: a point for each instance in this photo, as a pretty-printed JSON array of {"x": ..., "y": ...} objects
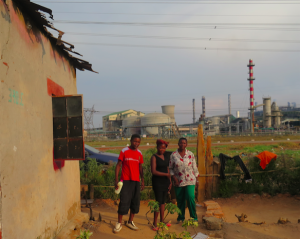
[{"x": 169, "y": 110}]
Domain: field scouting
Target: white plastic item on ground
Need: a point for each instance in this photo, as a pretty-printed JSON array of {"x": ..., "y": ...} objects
[
  {"x": 127, "y": 145},
  {"x": 200, "y": 236}
]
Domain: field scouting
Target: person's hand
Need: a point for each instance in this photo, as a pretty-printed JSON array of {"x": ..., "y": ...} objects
[
  {"x": 176, "y": 182},
  {"x": 116, "y": 185},
  {"x": 170, "y": 186},
  {"x": 142, "y": 185}
]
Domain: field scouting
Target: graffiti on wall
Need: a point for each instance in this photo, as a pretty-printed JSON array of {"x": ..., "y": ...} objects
[{"x": 15, "y": 97}]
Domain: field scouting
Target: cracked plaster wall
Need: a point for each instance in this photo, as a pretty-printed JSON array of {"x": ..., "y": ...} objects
[{"x": 37, "y": 201}]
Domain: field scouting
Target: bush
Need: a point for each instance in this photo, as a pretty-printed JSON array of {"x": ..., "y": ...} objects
[
  {"x": 93, "y": 173},
  {"x": 283, "y": 180}
]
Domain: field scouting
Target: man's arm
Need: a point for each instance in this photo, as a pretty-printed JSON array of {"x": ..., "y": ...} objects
[
  {"x": 172, "y": 173},
  {"x": 118, "y": 166},
  {"x": 142, "y": 177}
]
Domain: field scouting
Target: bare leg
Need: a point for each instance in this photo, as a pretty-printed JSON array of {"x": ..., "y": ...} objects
[
  {"x": 120, "y": 218},
  {"x": 162, "y": 212},
  {"x": 155, "y": 218},
  {"x": 131, "y": 216}
]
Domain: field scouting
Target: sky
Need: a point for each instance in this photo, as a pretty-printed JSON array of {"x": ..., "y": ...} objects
[{"x": 144, "y": 66}]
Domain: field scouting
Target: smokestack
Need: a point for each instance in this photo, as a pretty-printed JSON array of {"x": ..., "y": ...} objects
[
  {"x": 229, "y": 104},
  {"x": 203, "y": 106},
  {"x": 194, "y": 118},
  {"x": 238, "y": 114},
  {"x": 251, "y": 79}
]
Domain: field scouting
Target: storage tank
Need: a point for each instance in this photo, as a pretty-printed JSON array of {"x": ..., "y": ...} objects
[
  {"x": 169, "y": 110},
  {"x": 238, "y": 114},
  {"x": 132, "y": 121},
  {"x": 267, "y": 112},
  {"x": 215, "y": 120},
  {"x": 153, "y": 118}
]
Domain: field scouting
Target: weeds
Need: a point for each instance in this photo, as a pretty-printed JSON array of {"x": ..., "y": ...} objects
[
  {"x": 283, "y": 180},
  {"x": 85, "y": 234},
  {"x": 163, "y": 228}
]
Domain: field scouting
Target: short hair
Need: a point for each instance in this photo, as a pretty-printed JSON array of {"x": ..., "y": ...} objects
[
  {"x": 134, "y": 136},
  {"x": 183, "y": 139}
]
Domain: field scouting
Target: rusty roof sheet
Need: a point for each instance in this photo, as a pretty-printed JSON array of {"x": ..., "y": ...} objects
[{"x": 36, "y": 15}]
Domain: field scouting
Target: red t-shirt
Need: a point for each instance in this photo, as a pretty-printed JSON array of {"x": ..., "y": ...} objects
[{"x": 131, "y": 160}]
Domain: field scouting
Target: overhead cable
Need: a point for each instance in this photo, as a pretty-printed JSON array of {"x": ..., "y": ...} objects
[
  {"x": 238, "y": 2},
  {"x": 179, "y": 24},
  {"x": 175, "y": 14},
  {"x": 211, "y": 26},
  {"x": 192, "y": 48},
  {"x": 182, "y": 38}
]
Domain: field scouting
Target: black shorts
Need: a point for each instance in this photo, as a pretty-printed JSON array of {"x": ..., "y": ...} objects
[
  {"x": 161, "y": 196},
  {"x": 130, "y": 197}
]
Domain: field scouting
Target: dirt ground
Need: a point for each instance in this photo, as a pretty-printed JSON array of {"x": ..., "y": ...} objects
[{"x": 258, "y": 209}]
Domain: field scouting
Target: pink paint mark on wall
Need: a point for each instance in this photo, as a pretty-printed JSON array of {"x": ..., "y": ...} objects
[{"x": 55, "y": 89}]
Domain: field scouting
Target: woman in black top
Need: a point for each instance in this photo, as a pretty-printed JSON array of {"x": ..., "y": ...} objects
[{"x": 161, "y": 178}]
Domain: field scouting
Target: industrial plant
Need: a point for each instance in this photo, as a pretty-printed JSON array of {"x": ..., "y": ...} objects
[
  {"x": 265, "y": 117},
  {"x": 128, "y": 122}
]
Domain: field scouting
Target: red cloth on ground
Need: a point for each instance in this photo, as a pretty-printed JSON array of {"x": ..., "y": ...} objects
[{"x": 265, "y": 158}]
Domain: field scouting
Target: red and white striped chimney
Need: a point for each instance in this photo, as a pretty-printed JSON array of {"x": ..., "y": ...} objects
[{"x": 251, "y": 79}]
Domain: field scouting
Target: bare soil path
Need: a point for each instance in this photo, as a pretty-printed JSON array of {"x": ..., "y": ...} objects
[{"x": 258, "y": 209}]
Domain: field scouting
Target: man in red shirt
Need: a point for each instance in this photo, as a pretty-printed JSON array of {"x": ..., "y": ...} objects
[{"x": 131, "y": 160}]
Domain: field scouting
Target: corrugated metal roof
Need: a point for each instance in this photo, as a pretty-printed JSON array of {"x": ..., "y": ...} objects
[
  {"x": 31, "y": 11},
  {"x": 116, "y": 113}
]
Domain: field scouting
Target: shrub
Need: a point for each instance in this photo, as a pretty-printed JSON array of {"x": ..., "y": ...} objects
[{"x": 283, "y": 180}]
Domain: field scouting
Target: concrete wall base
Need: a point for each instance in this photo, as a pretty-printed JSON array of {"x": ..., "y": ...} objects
[{"x": 75, "y": 222}]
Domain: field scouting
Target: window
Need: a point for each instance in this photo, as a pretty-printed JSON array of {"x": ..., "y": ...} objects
[{"x": 67, "y": 127}]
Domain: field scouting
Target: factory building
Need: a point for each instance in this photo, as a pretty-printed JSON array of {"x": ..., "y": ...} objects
[
  {"x": 113, "y": 121},
  {"x": 135, "y": 122}
]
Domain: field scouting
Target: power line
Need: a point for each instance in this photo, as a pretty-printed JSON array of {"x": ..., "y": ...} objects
[
  {"x": 178, "y": 23},
  {"x": 175, "y": 14},
  {"x": 238, "y": 2},
  {"x": 190, "y": 48},
  {"x": 184, "y": 38},
  {"x": 209, "y": 26}
]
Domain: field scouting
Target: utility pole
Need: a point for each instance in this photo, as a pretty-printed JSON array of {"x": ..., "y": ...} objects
[
  {"x": 89, "y": 118},
  {"x": 194, "y": 118}
]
